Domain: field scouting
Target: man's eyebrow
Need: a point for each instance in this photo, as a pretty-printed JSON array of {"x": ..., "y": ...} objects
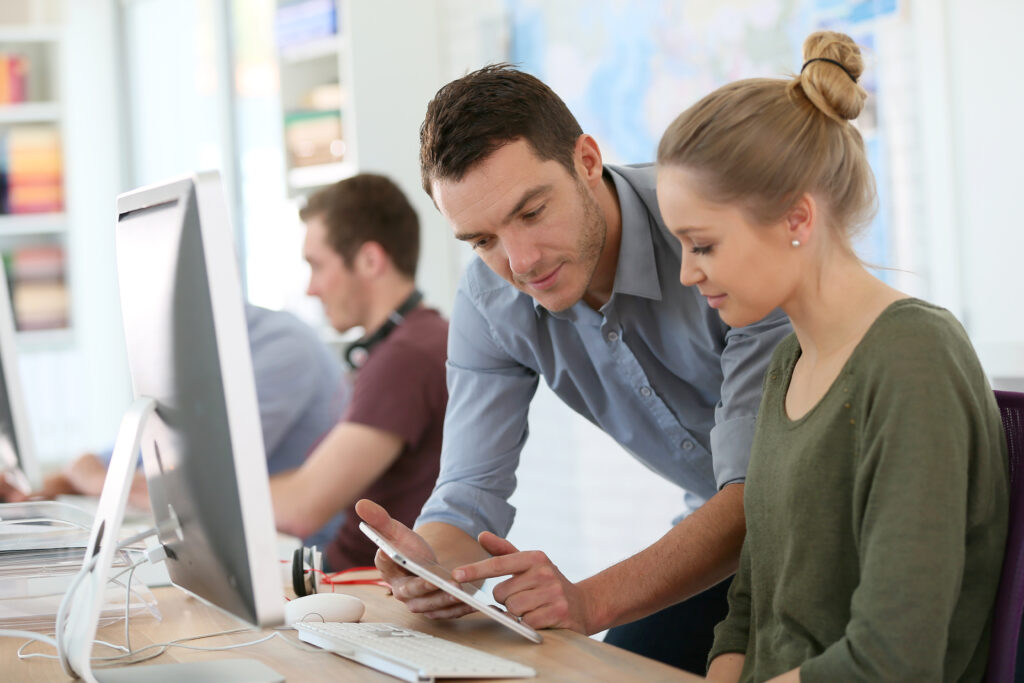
[{"x": 527, "y": 197}]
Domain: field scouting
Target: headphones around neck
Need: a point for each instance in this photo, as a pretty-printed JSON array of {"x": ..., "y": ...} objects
[{"x": 357, "y": 352}]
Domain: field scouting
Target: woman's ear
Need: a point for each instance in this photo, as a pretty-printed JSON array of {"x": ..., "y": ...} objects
[{"x": 801, "y": 220}]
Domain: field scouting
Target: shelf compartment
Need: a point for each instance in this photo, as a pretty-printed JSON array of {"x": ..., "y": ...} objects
[
  {"x": 29, "y": 112},
  {"x": 15, "y": 224},
  {"x": 30, "y": 34},
  {"x": 34, "y": 340},
  {"x": 308, "y": 177},
  {"x": 319, "y": 48}
]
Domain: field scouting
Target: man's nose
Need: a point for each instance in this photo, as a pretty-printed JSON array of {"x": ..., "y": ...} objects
[{"x": 523, "y": 254}]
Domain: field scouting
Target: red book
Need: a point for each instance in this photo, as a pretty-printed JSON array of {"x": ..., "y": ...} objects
[{"x": 18, "y": 69}]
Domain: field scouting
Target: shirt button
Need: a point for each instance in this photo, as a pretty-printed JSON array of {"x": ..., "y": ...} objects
[
  {"x": 687, "y": 445},
  {"x": 645, "y": 391},
  {"x": 613, "y": 336}
]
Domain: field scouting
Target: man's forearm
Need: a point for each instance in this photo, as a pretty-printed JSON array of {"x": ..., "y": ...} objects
[
  {"x": 453, "y": 546},
  {"x": 86, "y": 475},
  {"x": 292, "y": 512},
  {"x": 696, "y": 554}
]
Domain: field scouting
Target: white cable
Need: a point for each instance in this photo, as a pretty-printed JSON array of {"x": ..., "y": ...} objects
[
  {"x": 31, "y": 635},
  {"x": 87, "y": 567},
  {"x": 37, "y": 520},
  {"x": 65, "y": 665},
  {"x": 127, "y": 606},
  {"x": 62, "y": 611},
  {"x": 34, "y": 637},
  {"x": 43, "y": 655},
  {"x": 125, "y": 650},
  {"x": 298, "y": 643},
  {"x": 163, "y": 647},
  {"x": 181, "y": 643}
]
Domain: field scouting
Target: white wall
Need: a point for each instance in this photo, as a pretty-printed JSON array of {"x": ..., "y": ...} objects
[
  {"x": 395, "y": 70},
  {"x": 985, "y": 106}
]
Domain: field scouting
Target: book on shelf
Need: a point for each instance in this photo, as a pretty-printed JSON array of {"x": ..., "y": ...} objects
[
  {"x": 31, "y": 170},
  {"x": 39, "y": 292},
  {"x": 14, "y": 71},
  {"x": 313, "y": 137},
  {"x": 303, "y": 21}
]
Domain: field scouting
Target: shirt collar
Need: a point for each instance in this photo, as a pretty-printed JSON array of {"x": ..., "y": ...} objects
[{"x": 637, "y": 271}]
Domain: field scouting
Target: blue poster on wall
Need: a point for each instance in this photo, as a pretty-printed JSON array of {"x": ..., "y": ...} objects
[{"x": 627, "y": 69}]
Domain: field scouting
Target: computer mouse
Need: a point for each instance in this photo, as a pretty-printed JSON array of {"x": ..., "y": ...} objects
[{"x": 324, "y": 607}]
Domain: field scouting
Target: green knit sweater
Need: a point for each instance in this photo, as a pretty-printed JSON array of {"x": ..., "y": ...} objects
[{"x": 876, "y": 522}]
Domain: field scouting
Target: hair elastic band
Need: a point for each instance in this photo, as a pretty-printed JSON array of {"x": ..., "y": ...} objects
[{"x": 830, "y": 61}]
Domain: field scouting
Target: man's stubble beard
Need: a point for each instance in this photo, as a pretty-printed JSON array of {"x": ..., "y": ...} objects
[{"x": 590, "y": 244}]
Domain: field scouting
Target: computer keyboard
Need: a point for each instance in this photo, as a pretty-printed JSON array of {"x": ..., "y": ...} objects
[{"x": 407, "y": 654}]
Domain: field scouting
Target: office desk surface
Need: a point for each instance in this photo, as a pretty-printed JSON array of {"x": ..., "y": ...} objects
[{"x": 564, "y": 655}]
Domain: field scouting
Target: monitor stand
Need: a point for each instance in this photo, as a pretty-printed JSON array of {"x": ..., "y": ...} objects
[{"x": 86, "y": 605}]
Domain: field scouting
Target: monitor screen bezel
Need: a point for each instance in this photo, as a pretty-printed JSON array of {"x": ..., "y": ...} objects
[{"x": 234, "y": 356}]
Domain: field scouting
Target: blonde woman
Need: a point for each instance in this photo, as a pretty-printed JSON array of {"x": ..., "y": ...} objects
[{"x": 876, "y": 498}]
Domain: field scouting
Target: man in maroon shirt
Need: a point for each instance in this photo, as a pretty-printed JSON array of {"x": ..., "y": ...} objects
[{"x": 362, "y": 245}]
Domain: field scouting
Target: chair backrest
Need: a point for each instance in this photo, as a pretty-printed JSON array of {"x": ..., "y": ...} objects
[{"x": 1002, "y": 655}]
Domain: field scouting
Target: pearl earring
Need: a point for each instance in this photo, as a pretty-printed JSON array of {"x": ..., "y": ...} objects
[{"x": 795, "y": 243}]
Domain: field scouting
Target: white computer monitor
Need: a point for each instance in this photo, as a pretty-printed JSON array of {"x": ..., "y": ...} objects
[
  {"x": 196, "y": 414},
  {"x": 18, "y": 462}
]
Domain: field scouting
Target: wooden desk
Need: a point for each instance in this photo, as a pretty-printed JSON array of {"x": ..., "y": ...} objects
[{"x": 564, "y": 655}]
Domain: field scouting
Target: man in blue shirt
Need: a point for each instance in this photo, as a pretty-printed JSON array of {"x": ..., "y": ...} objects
[{"x": 577, "y": 281}]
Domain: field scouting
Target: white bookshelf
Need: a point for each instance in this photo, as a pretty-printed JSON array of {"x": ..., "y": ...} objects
[
  {"x": 316, "y": 91},
  {"x": 42, "y": 46},
  {"x": 387, "y": 71}
]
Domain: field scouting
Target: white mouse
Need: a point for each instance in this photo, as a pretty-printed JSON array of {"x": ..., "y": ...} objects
[{"x": 324, "y": 607}]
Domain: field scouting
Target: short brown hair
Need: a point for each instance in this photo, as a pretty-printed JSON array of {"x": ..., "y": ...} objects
[
  {"x": 764, "y": 142},
  {"x": 368, "y": 208},
  {"x": 472, "y": 116}
]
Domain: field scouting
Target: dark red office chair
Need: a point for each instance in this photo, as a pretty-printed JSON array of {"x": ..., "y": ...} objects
[{"x": 1003, "y": 652}]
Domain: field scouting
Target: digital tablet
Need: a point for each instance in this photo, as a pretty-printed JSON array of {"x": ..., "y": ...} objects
[{"x": 440, "y": 577}]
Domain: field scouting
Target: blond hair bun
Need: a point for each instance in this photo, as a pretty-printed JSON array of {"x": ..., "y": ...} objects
[{"x": 832, "y": 67}]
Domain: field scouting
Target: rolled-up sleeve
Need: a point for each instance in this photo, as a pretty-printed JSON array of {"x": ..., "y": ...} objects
[
  {"x": 485, "y": 428},
  {"x": 748, "y": 351}
]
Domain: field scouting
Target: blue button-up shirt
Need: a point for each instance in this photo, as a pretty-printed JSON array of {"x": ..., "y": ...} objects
[{"x": 655, "y": 368}]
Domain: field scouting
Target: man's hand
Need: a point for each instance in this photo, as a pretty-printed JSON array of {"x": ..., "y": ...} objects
[
  {"x": 537, "y": 591},
  {"x": 53, "y": 485},
  {"x": 9, "y": 493},
  {"x": 419, "y": 595}
]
